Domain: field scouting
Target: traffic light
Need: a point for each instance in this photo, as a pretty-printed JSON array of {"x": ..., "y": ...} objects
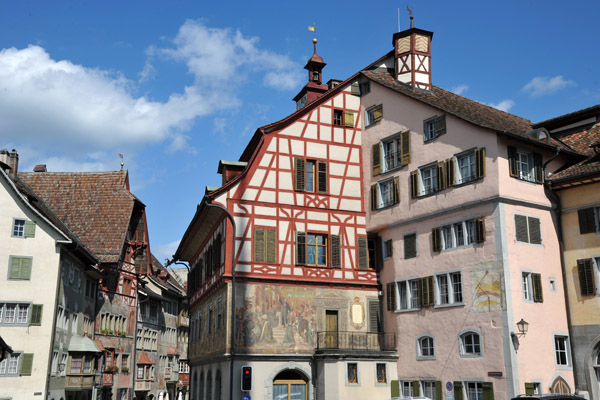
[{"x": 246, "y": 378}]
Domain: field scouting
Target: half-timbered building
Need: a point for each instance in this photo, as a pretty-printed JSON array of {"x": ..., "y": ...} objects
[{"x": 283, "y": 282}]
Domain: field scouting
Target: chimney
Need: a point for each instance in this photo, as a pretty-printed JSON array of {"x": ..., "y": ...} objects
[
  {"x": 40, "y": 168},
  {"x": 413, "y": 57},
  {"x": 4, "y": 159},
  {"x": 9, "y": 161},
  {"x": 230, "y": 169}
]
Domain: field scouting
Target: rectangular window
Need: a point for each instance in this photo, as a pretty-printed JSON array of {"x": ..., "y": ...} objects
[
  {"x": 408, "y": 294},
  {"x": 465, "y": 168},
  {"x": 371, "y": 252},
  {"x": 373, "y": 115},
  {"x": 561, "y": 350},
  {"x": 140, "y": 373},
  {"x": 12, "y": 314},
  {"x": 429, "y": 389},
  {"x": 352, "y": 373},
  {"x": 589, "y": 220},
  {"x": 525, "y": 165},
  {"x": 210, "y": 319},
  {"x": 587, "y": 275},
  {"x": 10, "y": 365},
  {"x": 410, "y": 246},
  {"x": 474, "y": 391},
  {"x": 381, "y": 373},
  {"x": 338, "y": 117},
  {"x": 219, "y": 313},
  {"x": 434, "y": 127},
  {"x": 407, "y": 389},
  {"x": 311, "y": 250},
  {"x": 385, "y": 193},
  {"x": 387, "y": 248},
  {"x": 427, "y": 180},
  {"x": 19, "y": 228},
  {"x": 458, "y": 234},
  {"x": 310, "y": 175},
  {"x": 76, "y": 364},
  {"x": 19, "y": 268},
  {"x": 365, "y": 88},
  {"x": 124, "y": 362},
  {"x": 265, "y": 245},
  {"x": 527, "y": 229},
  {"x": 449, "y": 288},
  {"x": 527, "y": 289}
]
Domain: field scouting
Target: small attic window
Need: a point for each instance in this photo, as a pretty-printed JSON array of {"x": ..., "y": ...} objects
[{"x": 542, "y": 136}]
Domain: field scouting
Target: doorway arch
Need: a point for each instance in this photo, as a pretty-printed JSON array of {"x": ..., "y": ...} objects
[
  {"x": 290, "y": 385},
  {"x": 560, "y": 385}
]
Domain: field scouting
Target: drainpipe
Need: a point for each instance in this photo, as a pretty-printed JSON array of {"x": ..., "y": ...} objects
[{"x": 231, "y": 219}]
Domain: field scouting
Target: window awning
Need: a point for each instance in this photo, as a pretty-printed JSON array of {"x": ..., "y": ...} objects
[{"x": 83, "y": 344}]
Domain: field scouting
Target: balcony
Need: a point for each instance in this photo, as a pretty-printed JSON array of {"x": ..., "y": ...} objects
[
  {"x": 361, "y": 341},
  {"x": 80, "y": 382}
]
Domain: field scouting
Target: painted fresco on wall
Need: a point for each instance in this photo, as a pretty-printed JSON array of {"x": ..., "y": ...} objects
[
  {"x": 279, "y": 319},
  {"x": 487, "y": 286}
]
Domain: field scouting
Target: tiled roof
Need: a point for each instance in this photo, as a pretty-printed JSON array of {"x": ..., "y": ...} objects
[
  {"x": 96, "y": 206},
  {"x": 463, "y": 108},
  {"x": 581, "y": 142}
]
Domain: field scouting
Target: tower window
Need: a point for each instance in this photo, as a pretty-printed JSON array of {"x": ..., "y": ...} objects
[{"x": 315, "y": 76}]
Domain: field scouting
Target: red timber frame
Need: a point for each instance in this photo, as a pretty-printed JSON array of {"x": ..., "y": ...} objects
[{"x": 418, "y": 60}]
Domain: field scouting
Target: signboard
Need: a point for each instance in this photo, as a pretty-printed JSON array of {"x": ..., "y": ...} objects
[
  {"x": 449, "y": 387},
  {"x": 246, "y": 397}
]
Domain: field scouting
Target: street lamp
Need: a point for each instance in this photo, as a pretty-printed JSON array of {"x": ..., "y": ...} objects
[{"x": 523, "y": 326}]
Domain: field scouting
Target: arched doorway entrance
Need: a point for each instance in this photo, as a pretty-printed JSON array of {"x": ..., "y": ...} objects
[
  {"x": 290, "y": 385},
  {"x": 560, "y": 386}
]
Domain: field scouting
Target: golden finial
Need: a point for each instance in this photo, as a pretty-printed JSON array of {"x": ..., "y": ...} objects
[
  {"x": 122, "y": 163},
  {"x": 313, "y": 29}
]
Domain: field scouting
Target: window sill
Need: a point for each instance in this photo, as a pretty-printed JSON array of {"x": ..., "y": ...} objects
[
  {"x": 425, "y": 358},
  {"x": 531, "y": 181},
  {"x": 395, "y": 169},
  {"x": 407, "y": 310},
  {"x": 385, "y": 207},
  {"x": 471, "y": 355},
  {"x": 449, "y": 305},
  {"x": 465, "y": 246},
  {"x": 531, "y": 244}
]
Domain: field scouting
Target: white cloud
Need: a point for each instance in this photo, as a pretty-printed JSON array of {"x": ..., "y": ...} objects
[
  {"x": 504, "y": 105},
  {"x": 460, "y": 89},
  {"x": 165, "y": 251},
  {"x": 544, "y": 85}
]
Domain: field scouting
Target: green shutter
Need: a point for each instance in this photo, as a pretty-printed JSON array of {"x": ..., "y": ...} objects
[
  {"x": 536, "y": 281},
  {"x": 26, "y": 364},
  {"x": 480, "y": 162},
  {"x": 363, "y": 256},
  {"x": 480, "y": 230},
  {"x": 322, "y": 176},
  {"x": 395, "y": 388},
  {"x": 587, "y": 220},
  {"x": 416, "y": 388},
  {"x": 513, "y": 167},
  {"x": 300, "y": 168},
  {"x": 20, "y": 268},
  {"x": 529, "y": 388},
  {"x": 300, "y": 248},
  {"x": 535, "y": 234},
  {"x": 336, "y": 258},
  {"x": 586, "y": 277},
  {"x": 458, "y": 393},
  {"x": 436, "y": 242},
  {"x": 414, "y": 184},
  {"x": 405, "y": 146},
  {"x": 259, "y": 245},
  {"x": 438, "y": 390},
  {"x": 521, "y": 228},
  {"x": 488, "y": 390},
  {"x": 376, "y": 158},
  {"x": 349, "y": 119},
  {"x": 271, "y": 245},
  {"x": 36, "y": 314},
  {"x": 391, "y": 296},
  {"x": 29, "y": 229}
]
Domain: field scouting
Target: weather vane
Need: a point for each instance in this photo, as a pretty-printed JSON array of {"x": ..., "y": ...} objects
[
  {"x": 411, "y": 16},
  {"x": 122, "y": 163}
]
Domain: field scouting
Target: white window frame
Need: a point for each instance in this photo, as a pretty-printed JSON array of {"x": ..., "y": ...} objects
[
  {"x": 458, "y": 234},
  {"x": 395, "y": 155},
  {"x": 407, "y": 388},
  {"x": 17, "y": 316},
  {"x": 369, "y": 116},
  {"x": 407, "y": 289},
  {"x": 385, "y": 193},
  {"x": 431, "y": 391},
  {"x": 448, "y": 295},
  {"x": 420, "y": 353},
  {"x": 424, "y": 189},
  {"x": 560, "y": 337},
  {"x": 464, "y": 347},
  {"x": 527, "y": 286},
  {"x": 460, "y": 177},
  {"x": 18, "y": 231},
  {"x": 10, "y": 361},
  {"x": 525, "y": 165},
  {"x": 478, "y": 387}
]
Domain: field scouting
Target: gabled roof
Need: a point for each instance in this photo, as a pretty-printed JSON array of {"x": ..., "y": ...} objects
[
  {"x": 97, "y": 206},
  {"x": 581, "y": 142}
]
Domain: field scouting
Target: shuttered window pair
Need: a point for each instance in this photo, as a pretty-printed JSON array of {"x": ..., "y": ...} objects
[
  {"x": 20, "y": 268},
  {"x": 431, "y": 389},
  {"x": 589, "y": 220},
  {"x": 17, "y": 364},
  {"x": 434, "y": 127},
  {"x": 587, "y": 275},
  {"x": 312, "y": 250},
  {"x": 265, "y": 245},
  {"x": 310, "y": 175},
  {"x": 458, "y": 234},
  {"x": 411, "y": 294},
  {"x": 373, "y": 115},
  {"x": 532, "y": 287},
  {"x": 391, "y": 153},
  {"x": 385, "y": 193},
  {"x": 525, "y": 165},
  {"x": 343, "y": 118},
  {"x": 527, "y": 229}
]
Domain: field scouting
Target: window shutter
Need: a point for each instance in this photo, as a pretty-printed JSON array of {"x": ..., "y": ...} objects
[
  {"x": 438, "y": 390},
  {"x": 535, "y": 235},
  {"x": 440, "y": 125},
  {"x": 374, "y": 197},
  {"x": 299, "y": 167},
  {"x": 416, "y": 388},
  {"x": 587, "y": 220},
  {"x": 512, "y": 162},
  {"x": 322, "y": 176},
  {"x": 271, "y": 245},
  {"x": 480, "y": 230},
  {"x": 537, "y": 168},
  {"x": 378, "y": 252},
  {"x": 450, "y": 172},
  {"x": 488, "y": 390},
  {"x": 336, "y": 259},
  {"x": 529, "y": 388},
  {"x": 15, "y": 268},
  {"x": 441, "y": 176},
  {"x": 391, "y": 296},
  {"x": 300, "y": 248},
  {"x": 396, "y": 189},
  {"x": 586, "y": 277},
  {"x": 36, "y": 314},
  {"x": 355, "y": 89},
  {"x": 426, "y": 291},
  {"x": 26, "y": 364},
  {"x": 363, "y": 256},
  {"x": 521, "y": 228},
  {"x": 458, "y": 394},
  {"x": 431, "y": 290},
  {"x": 349, "y": 119},
  {"x": 436, "y": 243},
  {"x": 395, "y": 388},
  {"x": 410, "y": 246},
  {"x": 377, "y": 113},
  {"x": 405, "y": 147},
  {"x": 536, "y": 282},
  {"x": 373, "y": 316},
  {"x": 29, "y": 229},
  {"x": 414, "y": 184},
  {"x": 376, "y": 154},
  {"x": 480, "y": 162}
]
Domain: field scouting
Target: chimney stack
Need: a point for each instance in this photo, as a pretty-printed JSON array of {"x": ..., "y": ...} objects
[
  {"x": 40, "y": 168},
  {"x": 9, "y": 161}
]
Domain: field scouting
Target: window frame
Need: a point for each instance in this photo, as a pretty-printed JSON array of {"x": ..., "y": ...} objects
[
  {"x": 388, "y": 249},
  {"x": 452, "y": 293},
  {"x": 451, "y": 231},
  {"x": 4, "y": 371},
  {"x": 18, "y": 305},
  {"x": 355, "y": 367},
  {"x": 319, "y": 173},
  {"x": 463, "y": 347},
  {"x": 411, "y": 291},
  {"x": 384, "y": 379},
  {"x": 371, "y": 116},
  {"x": 519, "y": 158},
  {"x": 420, "y": 348},
  {"x": 478, "y": 387},
  {"x": 564, "y": 337},
  {"x": 381, "y": 202},
  {"x": 589, "y": 220},
  {"x": 21, "y": 231},
  {"x": 527, "y": 286},
  {"x": 528, "y": 229},
  {"x": 432, "y": 168},
  {"x": 428, "y": 135},
  {"x": 458, "y": 175}
]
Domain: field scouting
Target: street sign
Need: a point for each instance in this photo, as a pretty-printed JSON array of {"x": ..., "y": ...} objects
[
  {"x": 246, "y": 397},
  {"x": 449, "y": 386}
]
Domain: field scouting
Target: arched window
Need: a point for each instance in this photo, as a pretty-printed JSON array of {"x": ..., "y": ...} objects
[
  {"x": 470, "y": 344},
  {"x": 425, "y": 347},
  {"x": 289, "y": 385}
]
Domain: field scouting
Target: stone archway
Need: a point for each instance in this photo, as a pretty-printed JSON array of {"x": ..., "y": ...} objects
[{"x": 289, "y": 366}]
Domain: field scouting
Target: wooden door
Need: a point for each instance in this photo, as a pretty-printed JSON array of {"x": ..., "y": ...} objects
[{"x": 331, "y": 326}]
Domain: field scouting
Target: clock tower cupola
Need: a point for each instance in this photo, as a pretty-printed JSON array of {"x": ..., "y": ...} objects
[
  {"x": 412, "y": 55},
  {"x": 314, "y": 87}
]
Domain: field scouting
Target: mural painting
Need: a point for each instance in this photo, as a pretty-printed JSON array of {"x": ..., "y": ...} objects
[{"x": 486, "y": 281}]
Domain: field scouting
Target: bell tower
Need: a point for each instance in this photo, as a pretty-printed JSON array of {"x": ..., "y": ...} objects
[
  {"x": 314, "y": 87},
  {"x": 413, "y": 57}
]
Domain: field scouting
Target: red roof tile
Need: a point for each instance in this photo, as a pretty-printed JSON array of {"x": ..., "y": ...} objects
[
  {"x": 581, "y": 142},
  {"x": 96, "y": 206}
]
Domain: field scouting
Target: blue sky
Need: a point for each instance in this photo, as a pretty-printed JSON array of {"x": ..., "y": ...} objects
[{"x": 176, "y": 86}]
